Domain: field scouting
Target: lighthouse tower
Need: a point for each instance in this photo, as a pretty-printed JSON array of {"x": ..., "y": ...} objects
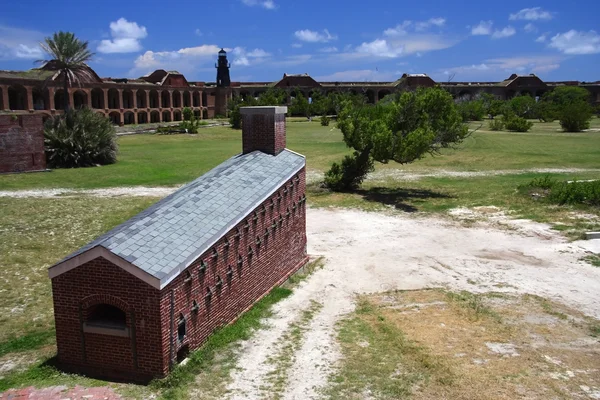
[{"x": 223, "y": 92}]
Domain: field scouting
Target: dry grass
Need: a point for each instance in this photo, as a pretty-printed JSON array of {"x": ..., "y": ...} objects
[{"x": 465, "y": 346}]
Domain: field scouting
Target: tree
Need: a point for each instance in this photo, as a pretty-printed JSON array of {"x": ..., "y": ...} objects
[
  {"x": 571, "y": 107},
  {"x": 522, "y": 106},
  {"x": 69, "y": 56},
  {"x": 404, "y": 130}
]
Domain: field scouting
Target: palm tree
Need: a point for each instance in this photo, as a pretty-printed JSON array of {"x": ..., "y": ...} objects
[{"x": 69, "y": 56}]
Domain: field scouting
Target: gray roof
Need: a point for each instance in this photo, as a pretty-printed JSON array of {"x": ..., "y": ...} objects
[{"x": 165, "y": 238}]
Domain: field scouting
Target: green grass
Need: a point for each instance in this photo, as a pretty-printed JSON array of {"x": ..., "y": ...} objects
[
  {"x": 30, "y": 341},
  {"x": 160, "y": 160}
]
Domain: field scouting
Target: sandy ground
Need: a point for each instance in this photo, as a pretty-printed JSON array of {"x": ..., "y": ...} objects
[
  {"x": 133, "y": 191},
  {"x": 374, "y": 252}
]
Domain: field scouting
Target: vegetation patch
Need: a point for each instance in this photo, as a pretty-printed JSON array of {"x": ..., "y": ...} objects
[{"x": 565, "y": 192}]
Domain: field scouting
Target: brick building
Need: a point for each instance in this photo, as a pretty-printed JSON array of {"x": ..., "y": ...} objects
[
  {"x": 135, "y": 301},
  {"x": 161, "y": 95}
]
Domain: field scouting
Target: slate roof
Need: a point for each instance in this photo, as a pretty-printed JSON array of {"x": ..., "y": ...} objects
[{"x": 165, "y": 238}]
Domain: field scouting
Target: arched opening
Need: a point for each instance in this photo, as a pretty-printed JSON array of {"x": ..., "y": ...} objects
[
  {"x": 196, "y": 99},
  {"x": 205, "y": 114},
  {"x": 79, "y": 99},
  {"x": 154, "y": 99},
  {"x": 98, "y": 98},
  {"x": 465, "y": 95},
  {"x": 204, "y": 99},
  {"x": 166, "y": 116},
  {"x": 181, "y": 328},
  {"x": 59, "y": 99},
  {"x": 186, "y": 99},
  {"x": 197, "y": 114},
  {"x": 115, "y": 117},
  {"x": 371, "y": 96},
  {"x": 2, "y": 105},
  {"x": 539, "y": 94},
  {"x": 127, "y": 99},
  {"x": 128, "y": 118},
  {"x": 154, "y": 116},
  {"x": 142, "y": 117},
  {"x": 244, "y": 95},
  {"x": 382, "y": 94},
  {"x": 177, "y": 99},
  {"x": 165, "y": 97},
  {"x": 176, "y": 115},
  {"x": 39, "y": 99},
  {"x": 113, "y": 99},
  {"x": 17, "y": 97},
  {"x": 106, "y": 316},
  {"x": 510, "y": 94},
  {"x": 140, "y": 99}
]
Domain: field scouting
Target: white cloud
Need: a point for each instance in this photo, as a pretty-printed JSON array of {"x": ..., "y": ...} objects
[
  {"x": 126, "y": 37},
  {"x": 183, "y": 60},
  {"x": 198, "y": 32},
  {"x": 545, "y": 68},
  {"x": 496, "y": 68},
  {"x": 504, "y": 33},
  {"x": 398, "y": 30},
  {"x": 380, "y": 48},
  {"x": 291, "y": 61},
  {"x": 576, "y": 42},
  {"x": 18, "y": 43},
  {"x": 329, "y": 50},
  {"x": 362, "y": 75},
  {"x": 296, "y": 45},
  {"x": 424, "y": 25},
  {"x": 530, "y": 28},
  {"x": 483, "y": 28},
  {"x": 531, "y": 14},
  {"x": 268, "y": 4},
  {"x": 306, "y": 35},
  {"x": 542, "y": 38},
  {"x": 244, "y": 58}
]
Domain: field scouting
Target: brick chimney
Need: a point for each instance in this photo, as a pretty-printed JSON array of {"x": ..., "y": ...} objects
[{"x": 263, "y": 128}]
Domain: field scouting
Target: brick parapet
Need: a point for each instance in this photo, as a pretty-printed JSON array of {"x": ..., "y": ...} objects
[{"x": 21, "y": 143}]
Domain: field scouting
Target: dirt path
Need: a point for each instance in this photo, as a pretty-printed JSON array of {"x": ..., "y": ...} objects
[
  {"x": 371, "y": 252},
  {"x": 133, "y": 191}
]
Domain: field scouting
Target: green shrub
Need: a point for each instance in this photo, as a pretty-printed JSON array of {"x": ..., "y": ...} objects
[
  {"x": 80, "y": 138},
  {"x": 473, "y": 110},
  {"x": 575, "y": 117},
  {"x": 516, "y": 124},
  {"x": 324, "y": 120},
  {"x": 235, "y": 118},
  {"x": 187, "y": 113},
  {"x": 350, "y": 174},
  {"x": 544, "y": 182},
  {"x": 496, "y": 124},
  {"x": 576, "y": 193}
]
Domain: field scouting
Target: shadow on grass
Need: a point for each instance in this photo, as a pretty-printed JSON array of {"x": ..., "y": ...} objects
[{"x": 399, "y": 197}]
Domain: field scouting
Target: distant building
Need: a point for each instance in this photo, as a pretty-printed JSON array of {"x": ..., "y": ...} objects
[
  {"x": 135, "y": 301},
  {"x": 162, "y": 95}
]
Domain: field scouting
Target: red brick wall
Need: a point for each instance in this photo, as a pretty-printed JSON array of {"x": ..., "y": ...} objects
[
  {"x": 263, "y": 132},
  {"x": 21, "y": 143},
  {"x": 281, "y": 253},
  {"x": 97, "y": 282}
]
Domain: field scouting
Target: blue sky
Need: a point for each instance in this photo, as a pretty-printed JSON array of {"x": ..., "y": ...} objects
[{"x": 329, "y": 39}]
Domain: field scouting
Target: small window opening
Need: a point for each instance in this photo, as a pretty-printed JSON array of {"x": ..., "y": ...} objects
[
  {"x": 195, "y": 307},
  {"x": 219, "y": 284},
  {"x": 266, "y": 232},
  {"x": 208, "y": 294},
  {"x": 255, "y": 217},
  {"x": 181, "y": 328},
  {"x": 240, "y": 261},
  {"x": 250, "y": 251},
  {"x": 202, "y": 269},
  {"x": 188, "y": 277},
  {"x": 215, "y": 253},
  {"x": 229, "y": 273},
  {"x": 258, "y": 241},
  {"x": 227, "y": 243},
  {"x": 107, "y": 316},
  {"x": 183, "y": 353}
]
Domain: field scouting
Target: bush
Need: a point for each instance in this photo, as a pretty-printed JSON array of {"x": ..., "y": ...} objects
[
  {"x": 471, "y": 110},
  {"x": 187, "y": 113},
  {"x": 324, "y": 120},
  {"x": 80, "y": 138},
  {"x": 516, "y": 124},
  {"x": 496, "y": 124},
  {"x": 575, "y": 117},
  {"x": 350, "y": 174},
  {"x": 576, "y": 193},
  {"x": 544, "y": 182}
]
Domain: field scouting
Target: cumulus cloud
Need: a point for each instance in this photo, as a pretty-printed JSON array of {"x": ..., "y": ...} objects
[
  {"x": 576, "y": 42},
  {"x": 329, "y": 50},
  {"x": 419, "y": 26},
  {"x": 306, "y": 35},
  {"x": 18, "y": 43},
  {"x": 126, "y": 37},
  {"x": 424, "y": 25},
  {"x": 504, "y": 33},
  {"x": 483, "y": 28},
  {"x": 184, "y": 60},
  {"x": 530, "y": 28},
  {"x": 531, "y": 14},
  {"x": 380, "y": 48},
  {"x": 268, "y": 4},
  {"x": 244, "y": 58},
  {"x": 541, "y": 38}
]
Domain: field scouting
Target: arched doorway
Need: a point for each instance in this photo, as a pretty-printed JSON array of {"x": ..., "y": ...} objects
[
  {"x": 142, "y": 117},
  {"x": 165, "y": 98},
  {"x": 176, "y": 99},
  {"x": 154, "y": 99},
  {"x": 17, "y": 97},
  {"x": 154, "y": 116},
  {"x": 113, "y": 99},
  {"x": 59, "y": 99},
  {"x": 39, "y": 98},
  {"x": 79, "y": 99},
  {"x": 98, "y": 98},
  {"x": 383, "y": 93},
  {"x": 140, "y": 99},
  {"x": 2, "y": 105},
  {"x": 166, "y": 116},
  {"x": 128, "y": 118},
  {"x": 176, "y": 115},
  {"x": 371, "y": 96},
  {"x": 186, "y": 99},
  {"x": 115, "y": 117},
  {"x": 196, "y": 99},
  {"x": 127, "y": 98}
]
